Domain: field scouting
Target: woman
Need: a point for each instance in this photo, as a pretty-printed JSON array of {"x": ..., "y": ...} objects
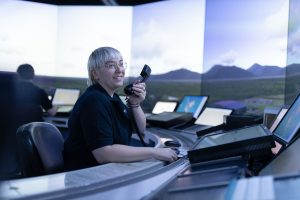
[{"x": 100, "y": 124}]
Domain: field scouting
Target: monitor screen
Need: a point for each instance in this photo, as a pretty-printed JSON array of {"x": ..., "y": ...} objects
[
  {"x": 290, "y": 123},
  {"x": 231, "y": 136},
  {"x": 123, "y": 99},
  {"x": 65, "y": 96},
  {"x": 278, "y": 119},
  {"x": 192, "y": 104},
  {"x": 212, "y": 116},
  {"x": 164, "y": 106}
]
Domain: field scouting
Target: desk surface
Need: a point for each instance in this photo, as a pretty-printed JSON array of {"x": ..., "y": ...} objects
[
  {"x": 136, "y": 180},
  {"x": 104, "y": 175},
  {"x": 59, "y": 122},
  {"x": 106, "y": 178}
]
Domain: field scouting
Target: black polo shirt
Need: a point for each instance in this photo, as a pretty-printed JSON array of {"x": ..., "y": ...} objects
[
  {"x": 28, "y": 93},
  {"x": 97, "y": 120}
]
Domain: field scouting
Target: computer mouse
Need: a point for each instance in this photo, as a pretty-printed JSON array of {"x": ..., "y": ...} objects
[
  {"x": 172, "y": 143},
  {"x": 176, "y": 150}
]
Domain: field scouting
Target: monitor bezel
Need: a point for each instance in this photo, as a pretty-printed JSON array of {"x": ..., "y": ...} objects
[
  {"x": 278, "y": 118},
  {"x": 199, "y": 109},
  {"x": 225, "y": 109},
  {"x": 175, "y": 102},
  {"x": 255, "y": 145},
  {"x": 295, "y": 131},
  {"x": 67, "y": 104}
]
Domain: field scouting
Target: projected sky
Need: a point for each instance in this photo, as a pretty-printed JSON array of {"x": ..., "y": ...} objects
[
  {"x": 28, "y": 34},
  {"x": 294, "y": 33},
  {"x": 167, "y": 35},
  {"x": 245, "y": 32},
  {"x": 58, "y": 40}
]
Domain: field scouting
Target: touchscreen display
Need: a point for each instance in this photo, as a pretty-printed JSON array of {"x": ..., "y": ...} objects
[
  {"x": 192, "y": 104},
  {"x": 278, "y": 119},
  {"x": 212, "y": 116},
  {"x": 65, "y": 96},
  {"x": 290, "y": 123},
  {"x": 232, "y": 136},
  {"x": 164, "y": 106},
  {"x": 123, "y": 99}
]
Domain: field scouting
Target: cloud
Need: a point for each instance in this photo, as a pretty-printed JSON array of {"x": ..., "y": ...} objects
[
  {"x": 164, "y": 48},
  {"x": 228, "y": 58},
  {"x": 149, "y": 41},
  {"x": 276, "y": 26},
  {"x": 294, "y": 43},
  {"x": 277, "y": 23}
]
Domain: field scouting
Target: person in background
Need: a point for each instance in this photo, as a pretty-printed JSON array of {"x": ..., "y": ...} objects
[
  {"x": 30, "y": 94},
  {"x": 100, "y": 125}
]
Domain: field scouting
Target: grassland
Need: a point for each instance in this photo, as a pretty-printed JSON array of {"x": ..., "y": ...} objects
[{"x": 255, "y": 93}]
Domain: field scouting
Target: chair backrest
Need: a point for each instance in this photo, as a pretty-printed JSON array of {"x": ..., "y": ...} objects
[{"x": 40, "y": 147}]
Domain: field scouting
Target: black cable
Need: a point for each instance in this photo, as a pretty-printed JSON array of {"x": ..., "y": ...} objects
[
  {"x": 138, "y": 132},
  {"x": 133, "y": 121}
]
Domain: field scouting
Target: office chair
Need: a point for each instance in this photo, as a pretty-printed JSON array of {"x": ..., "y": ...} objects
[{"x": 40, "y": 147}]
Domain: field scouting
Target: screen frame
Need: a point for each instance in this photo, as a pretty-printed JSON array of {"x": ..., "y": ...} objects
[
  {"x": 171, "y": 102},
  {"x": 199, "y": 108},
  {"x": 239, "y": 148},
  {"x": 278, "y": 118},
  {"x": 280, "y": 139},
  {"x": 206, "y": 108},
  {"x": 66, "y": 89},
  {"x": 123, "y": 99}
]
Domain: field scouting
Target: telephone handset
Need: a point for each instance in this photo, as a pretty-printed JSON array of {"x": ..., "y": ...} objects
[
  {"x": 145, "y": 73},
  {"x": 129, "y": 91}
]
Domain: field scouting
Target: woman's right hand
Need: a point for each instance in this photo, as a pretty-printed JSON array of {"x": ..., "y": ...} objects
[{"x": 165, "y": 154}]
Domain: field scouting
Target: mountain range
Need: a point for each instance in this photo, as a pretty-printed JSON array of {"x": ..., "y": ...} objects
[{"x": 229, "y": 72}]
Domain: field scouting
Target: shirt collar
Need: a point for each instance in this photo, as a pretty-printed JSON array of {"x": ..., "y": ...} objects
[{"x": 100, "y": 88}]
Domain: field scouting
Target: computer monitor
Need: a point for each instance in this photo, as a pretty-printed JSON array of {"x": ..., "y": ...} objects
[
  {"x": 212, "y": 116},
  {"x": 123, "y": 99},
  {"x": 236, "y": 142},
  {"x": 290, "y": 123},
  {"x": 278, "y": 118},
  {"x": 65, "y": 97},
  {"x": 192, "y": 104},
  {"x": 232, "y": 136},
  {"x": 164, "y": 106}
]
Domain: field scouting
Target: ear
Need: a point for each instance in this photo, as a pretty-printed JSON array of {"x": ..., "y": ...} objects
[{"x": 95, "y": 75}]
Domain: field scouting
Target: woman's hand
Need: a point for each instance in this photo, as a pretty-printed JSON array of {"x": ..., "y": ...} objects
[
  {"x": 165, "y": 154},
  {"x": 139, "y": 94}
]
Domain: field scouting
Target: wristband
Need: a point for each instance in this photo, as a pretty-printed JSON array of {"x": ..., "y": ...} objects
[{"x": 133, "y": 105}]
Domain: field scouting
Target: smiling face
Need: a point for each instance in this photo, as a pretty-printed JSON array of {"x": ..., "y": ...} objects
[
  {"x": 107, "y": 68},
  {"x": 111, "y": 75}
]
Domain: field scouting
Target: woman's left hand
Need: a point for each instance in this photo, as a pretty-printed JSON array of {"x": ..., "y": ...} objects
[{"x": 139, "y": 93}]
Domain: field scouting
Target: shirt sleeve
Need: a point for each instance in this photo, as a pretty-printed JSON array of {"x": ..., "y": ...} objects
[
  {"x": 97, "y": 122},
  {"x": 45, "y": 102}
]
